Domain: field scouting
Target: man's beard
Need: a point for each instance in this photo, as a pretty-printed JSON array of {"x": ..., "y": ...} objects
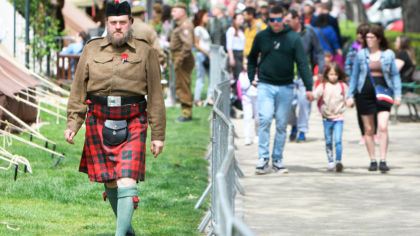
[{"x": 119, "y": 42}]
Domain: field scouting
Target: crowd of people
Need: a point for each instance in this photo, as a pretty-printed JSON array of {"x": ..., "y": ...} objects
[{"x": 279, "y": 51}]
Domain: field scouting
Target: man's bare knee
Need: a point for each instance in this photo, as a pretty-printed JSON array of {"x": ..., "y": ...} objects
[{"x": 126, "y": 182}]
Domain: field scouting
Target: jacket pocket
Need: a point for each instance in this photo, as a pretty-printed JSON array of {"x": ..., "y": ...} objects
[
  {"x": 133, "y": 68},
  {"x": 387, "y": 66},
  {"x": 102, "y": 60},
  {"x": 133, "y": 60},
  {"x": 100, "y": 70}
]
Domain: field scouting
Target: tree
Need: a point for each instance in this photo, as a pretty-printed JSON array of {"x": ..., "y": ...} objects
[
  {"x": 355, "y": 11},
  {"x": 45, "y": 27},
  {"x": 410, "y": 15}
]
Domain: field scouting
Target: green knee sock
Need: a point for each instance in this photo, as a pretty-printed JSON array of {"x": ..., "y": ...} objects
[
  {"x": 125, "y": 209},
  {"x": 112, "y": 195}
]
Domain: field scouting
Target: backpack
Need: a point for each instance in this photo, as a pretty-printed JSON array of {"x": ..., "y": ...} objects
[{"x": 320, "y": 101}]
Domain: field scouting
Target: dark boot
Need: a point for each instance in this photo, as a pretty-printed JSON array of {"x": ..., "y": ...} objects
[
  {"x": 383, "y": 167},
  {"x": 373, "y": 166}
]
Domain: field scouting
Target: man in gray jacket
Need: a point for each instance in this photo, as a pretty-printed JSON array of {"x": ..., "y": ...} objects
[{"x": 315, "y": 53}]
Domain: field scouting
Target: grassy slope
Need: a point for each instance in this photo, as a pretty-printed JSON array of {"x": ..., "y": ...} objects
[{"x": 63, "y": 201}]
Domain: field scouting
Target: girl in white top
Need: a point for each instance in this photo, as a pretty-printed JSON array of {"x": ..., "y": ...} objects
[
  {"x": 248, "y": 94},
  {"x": 202, "y": 44},
  {"x": 235, "y": 44}
]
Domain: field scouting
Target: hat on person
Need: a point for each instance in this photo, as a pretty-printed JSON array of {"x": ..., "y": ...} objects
[
  {"x": 263, "y": 4},
  {"x": 138, "y": 7},
  {"x": 326, "y": 5},
  {"x": 118, "y": 9},
  {"x": 157, "y": 7},
  {"x": 308, "y": 3},
  {"x": 240, "y": 8},
  {"x": 180, "y": 5},
  {"x": 220, "y": 6}
]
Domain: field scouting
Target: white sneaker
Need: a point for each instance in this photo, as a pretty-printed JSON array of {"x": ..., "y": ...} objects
[
  {"x": 262, "y": 166},
  {"x": 331, "y": 166},
  {"x": 248, "y": 141},
  {"x": 279, "y": 167}
]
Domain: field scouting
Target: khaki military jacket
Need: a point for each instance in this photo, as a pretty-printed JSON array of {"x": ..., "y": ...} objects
[
  {"x": 101, "y": 71},
  {"x": 146, "y": 31},
  {"x": 182, "y": 40}
]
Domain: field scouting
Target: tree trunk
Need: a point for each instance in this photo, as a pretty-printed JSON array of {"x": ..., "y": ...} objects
[
  {"x": 410, "y": 16},
  {"x": 355, "y": 11}
]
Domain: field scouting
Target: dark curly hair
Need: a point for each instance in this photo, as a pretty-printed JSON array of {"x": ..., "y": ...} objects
[{"x": 198, "y": 17}]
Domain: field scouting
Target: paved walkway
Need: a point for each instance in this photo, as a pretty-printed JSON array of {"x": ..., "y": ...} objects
[{"x": 311, "y": 201}]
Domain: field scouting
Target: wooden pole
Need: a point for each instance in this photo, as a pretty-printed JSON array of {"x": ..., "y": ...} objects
[
  {"x": 21, "y": 122},
  {"x": 39, "y": 107},
  {"x": 30, "y": 143},
  {"x": 25, "y": 131}
]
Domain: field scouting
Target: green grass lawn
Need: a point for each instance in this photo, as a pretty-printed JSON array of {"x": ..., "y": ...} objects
[{"x": 62, "y": 201}]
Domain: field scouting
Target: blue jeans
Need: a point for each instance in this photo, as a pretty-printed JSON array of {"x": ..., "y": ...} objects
[
  {"x": 333, "y": 128},
  {"x": 201, "y": 72},
  {"x": 304, "y": 108},
  {"x": 273, "y": 102}
]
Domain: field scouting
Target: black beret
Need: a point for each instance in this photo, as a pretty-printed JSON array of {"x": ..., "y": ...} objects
[{"x": 118, "y": 9}]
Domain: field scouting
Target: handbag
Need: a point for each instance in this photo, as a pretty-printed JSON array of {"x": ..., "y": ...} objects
[
  {"x": 383, "y": 94},
  {"x": 206, "y": 63},
  {"x": 114, "y": 132}
]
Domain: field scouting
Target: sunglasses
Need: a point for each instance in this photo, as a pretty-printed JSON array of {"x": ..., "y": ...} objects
[{"x": 278, "y": 19}]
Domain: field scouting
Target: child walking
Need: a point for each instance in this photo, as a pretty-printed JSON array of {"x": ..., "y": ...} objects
[
  {"x": 331, "y": 93},
  {"x": 248, "y": 94}
]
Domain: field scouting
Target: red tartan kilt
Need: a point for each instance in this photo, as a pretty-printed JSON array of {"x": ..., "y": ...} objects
[{"x": 107, "y": 163}]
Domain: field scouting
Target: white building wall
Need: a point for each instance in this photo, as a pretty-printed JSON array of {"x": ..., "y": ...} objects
[{"x": 7, "y": 21}]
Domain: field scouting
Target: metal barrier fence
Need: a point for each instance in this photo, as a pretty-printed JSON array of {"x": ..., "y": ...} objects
[{"x": 224, "y": 168}]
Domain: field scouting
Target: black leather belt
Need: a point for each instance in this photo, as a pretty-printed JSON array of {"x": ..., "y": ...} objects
[{"x": 115, "y": 101}]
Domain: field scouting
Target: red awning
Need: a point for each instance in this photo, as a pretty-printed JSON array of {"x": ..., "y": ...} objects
[
  {"x": 13, "y": 79},
  {"x": 76, "y": 20}
]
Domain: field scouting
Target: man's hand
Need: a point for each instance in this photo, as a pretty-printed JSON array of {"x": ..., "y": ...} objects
[
  {"x": 232, "y": 62},
  {"x": 350, "y": 102},
  {"x": 69, "y": 135},
  {"x": 156, "y": 147},
  {"x": 309, "y": 96},
  {"x": 397, "y": 102},
  {"x": 255, "y": 83}
]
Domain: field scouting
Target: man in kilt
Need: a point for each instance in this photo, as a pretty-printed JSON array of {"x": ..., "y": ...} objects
[{"x": 113, "y": 77}]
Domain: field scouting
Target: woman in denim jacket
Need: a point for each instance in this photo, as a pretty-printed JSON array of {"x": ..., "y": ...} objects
[{"x": 384, "y": 71}]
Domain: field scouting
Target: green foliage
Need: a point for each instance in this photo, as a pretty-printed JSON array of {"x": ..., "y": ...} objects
[
  {"x": 62, "y": 201},
  {"x": 44, "y": 26}
]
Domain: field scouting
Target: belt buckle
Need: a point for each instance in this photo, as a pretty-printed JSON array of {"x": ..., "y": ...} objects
[{"x": 114, "y": 101}]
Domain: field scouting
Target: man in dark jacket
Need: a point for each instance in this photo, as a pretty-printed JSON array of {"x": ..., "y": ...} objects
[
  {"x": 315, "y": 53},
  {"x": 280, "y": 47}
]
